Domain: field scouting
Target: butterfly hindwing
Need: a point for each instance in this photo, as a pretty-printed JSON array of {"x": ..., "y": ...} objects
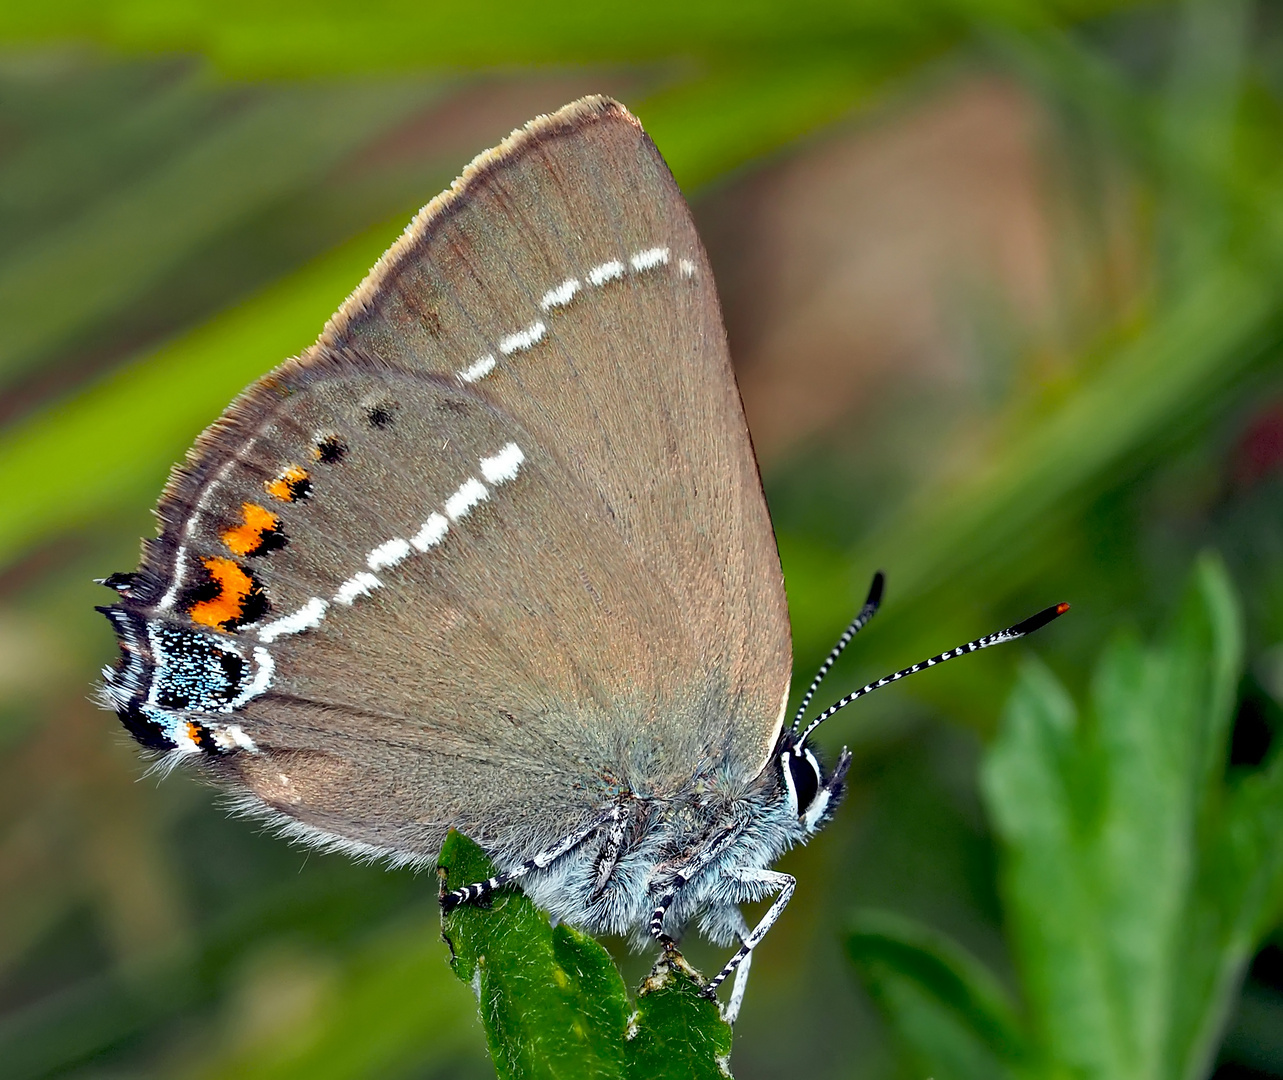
[{"x": 504, "y": 516}]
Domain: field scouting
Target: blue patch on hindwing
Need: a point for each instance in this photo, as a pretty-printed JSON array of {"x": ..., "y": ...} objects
[
  {"x": 170, "y": 679},
  {"x": 193, "y": 671}
]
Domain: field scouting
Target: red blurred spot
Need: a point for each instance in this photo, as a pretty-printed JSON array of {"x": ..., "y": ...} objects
[{"x": 1260, "y": 451}]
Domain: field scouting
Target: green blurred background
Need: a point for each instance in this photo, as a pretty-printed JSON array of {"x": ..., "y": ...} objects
[{"x": 1004, "y": 287}]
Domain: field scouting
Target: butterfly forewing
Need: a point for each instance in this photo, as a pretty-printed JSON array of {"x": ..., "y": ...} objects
[
  {"x": 504, "y": 516},
  {"x": 630, "y": 381}
]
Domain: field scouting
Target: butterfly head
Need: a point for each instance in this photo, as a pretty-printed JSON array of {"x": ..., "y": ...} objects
[{"x": 809, "y": 794}]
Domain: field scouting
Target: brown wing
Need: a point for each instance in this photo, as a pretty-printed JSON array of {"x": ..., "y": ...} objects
[{"x": 537, "y": 372}]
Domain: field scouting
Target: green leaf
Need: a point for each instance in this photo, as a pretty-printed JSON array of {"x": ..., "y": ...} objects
[
  {"x": 675, "y": 1031},
  {"x": 552, "y": 1001},
  {"x": 1136, "y": 883},
  {"x": 953, "y": 1015},
  {"x": 1138, "y": 880}
]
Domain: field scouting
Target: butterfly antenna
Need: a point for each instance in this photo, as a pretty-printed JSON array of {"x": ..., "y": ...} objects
[
  {"x": 857, "y": 624},
  {"x": 1028, "y": 626}
]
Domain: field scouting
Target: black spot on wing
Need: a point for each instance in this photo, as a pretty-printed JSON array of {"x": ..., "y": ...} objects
[
  {"x": 330, "y": 450},
  {"x": 381, "y": 416}
]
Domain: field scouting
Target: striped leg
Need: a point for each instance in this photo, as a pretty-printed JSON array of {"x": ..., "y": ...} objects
[
  {"x": 661, "y": 910},
  {"x": 773, "y": 879},
  {"x": 614, "y": 836},
  {"x": 480, "y": 891},
  {"x": 679, "y": 880},
  {"x": 732, "y": 1010}
]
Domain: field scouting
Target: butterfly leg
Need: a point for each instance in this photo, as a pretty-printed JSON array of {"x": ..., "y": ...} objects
[
  {"x": 679, "y": 880},
  {"x": 480, "y": 891},
  {"x": 668, "y": 944},
  {"x": 732, "y": 1010},
  {"x": 613, "y": 845},
  {"x": 773, "y": 880}
]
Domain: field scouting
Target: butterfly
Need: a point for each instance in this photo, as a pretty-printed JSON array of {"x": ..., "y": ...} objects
[{"x": 493, "y": 555}]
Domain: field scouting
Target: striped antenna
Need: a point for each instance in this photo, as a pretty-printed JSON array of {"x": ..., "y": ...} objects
[
  {"x": 857, "y": 624},
  {"x": 1028, "y": 626}
]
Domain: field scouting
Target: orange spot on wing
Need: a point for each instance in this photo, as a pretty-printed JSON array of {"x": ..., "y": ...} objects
[
  {"x": 292, "y": 484},
  {"x": 248, "y": 536},
  {"x": 234, "y": 587}
]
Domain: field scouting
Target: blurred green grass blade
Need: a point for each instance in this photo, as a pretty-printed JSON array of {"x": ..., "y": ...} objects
[
  {"x": 77, "y": 154},
  {"x": 386, "y": 1005},
  {"x": 553, "y": 1004},
  {"x": 999, "y": 520},
  {"x": 59, "y": 89},
  {"x": 934, "y": 1041},
  {"x": 945, "y": 1004},
  {"x": 709, "y": 126},
  {"x": 392, "y": 1010},
  {"x": 325, "y": 37},
  {"x": 63, "y": 281},
  {"x": 1058, "y": 451},
  {"x": 1200, "y": 112},
  {"x": 1003, "y": 523},
  {"x": 99, "y": 1017},
  {"x": 113, "y": 444},
  {"x": 1214, "y": 158},
  {"x": 1106, "y": 821}
]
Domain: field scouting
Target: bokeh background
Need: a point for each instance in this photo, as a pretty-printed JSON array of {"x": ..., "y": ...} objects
[{"x": 1004, "y": 286}]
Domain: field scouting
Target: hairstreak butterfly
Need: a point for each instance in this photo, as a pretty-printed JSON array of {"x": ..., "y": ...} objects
[{"x": 493, "y": 555}]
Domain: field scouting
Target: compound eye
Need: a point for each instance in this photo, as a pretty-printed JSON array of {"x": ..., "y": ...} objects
[{"x": 804, "y": 771}]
